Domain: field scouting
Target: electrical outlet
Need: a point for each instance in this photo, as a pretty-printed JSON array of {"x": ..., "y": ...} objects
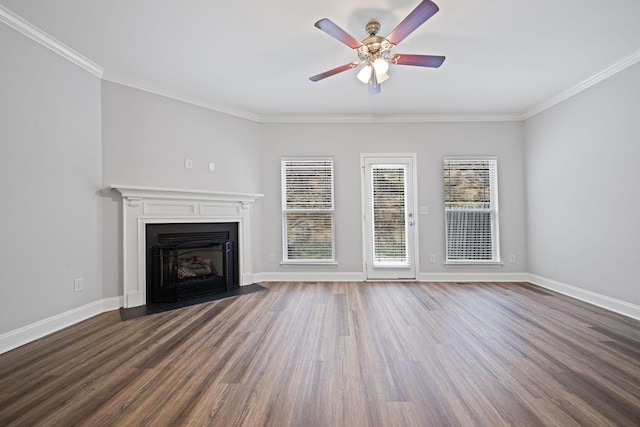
[
  {"x": 432, "y": 258},
  {"x": 512, "y": 259},
  {"x": 78, "y": 285},
  {"x": 272, "y": 258}
]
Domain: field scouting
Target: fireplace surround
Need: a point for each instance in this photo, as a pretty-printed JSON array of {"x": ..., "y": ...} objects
[{"x": 143, "y": 206}]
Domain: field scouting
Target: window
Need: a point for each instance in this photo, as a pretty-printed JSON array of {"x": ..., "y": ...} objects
[
  {"x": 307, "y": 210},
  {"x": 471, "y": 210}
]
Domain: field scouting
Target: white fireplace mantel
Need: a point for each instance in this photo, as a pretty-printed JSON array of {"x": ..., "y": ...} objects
[{"x": 149, "y": 205}]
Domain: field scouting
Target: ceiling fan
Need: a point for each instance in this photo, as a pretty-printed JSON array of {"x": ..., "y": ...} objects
[{"x": 374, "y": 52}]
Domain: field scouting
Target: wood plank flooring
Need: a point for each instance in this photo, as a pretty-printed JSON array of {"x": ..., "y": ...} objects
[{"x": 337, "y": 354}]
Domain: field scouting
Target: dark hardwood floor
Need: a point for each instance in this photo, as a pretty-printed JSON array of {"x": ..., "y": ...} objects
[{"x": 337, "y": 354}]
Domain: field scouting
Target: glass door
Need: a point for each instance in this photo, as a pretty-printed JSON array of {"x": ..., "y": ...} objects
[{"x": 389, "y": 217}]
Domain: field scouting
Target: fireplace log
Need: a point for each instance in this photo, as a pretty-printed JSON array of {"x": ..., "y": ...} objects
[{"x": 195, "y": 266}]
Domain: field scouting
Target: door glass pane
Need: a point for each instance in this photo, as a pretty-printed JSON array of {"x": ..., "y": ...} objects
[{"x": 389, "y": 214}]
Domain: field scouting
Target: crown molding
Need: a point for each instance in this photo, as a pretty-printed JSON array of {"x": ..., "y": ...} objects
[
  {"x": 621, "y": 65},
  {"x": 400, "y": 118},
  {"x": 167, "y": 93},
  {"x": 39, "y": 36}
]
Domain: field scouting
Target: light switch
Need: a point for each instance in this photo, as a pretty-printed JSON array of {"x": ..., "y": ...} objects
[
  {"x": 212, "y": 166},
  {"x": 424, "y": 210},
  {"x": 188, "y": 163}
]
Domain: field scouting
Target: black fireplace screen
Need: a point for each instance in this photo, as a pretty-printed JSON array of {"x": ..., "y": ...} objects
[{"x": 190, "y": 264}]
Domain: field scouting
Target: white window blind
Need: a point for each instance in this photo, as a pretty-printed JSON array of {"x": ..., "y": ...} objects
[
  {"x": 471, "y": 210},
  {"x": 308, "y": 210},
  {"x": 389, "y": 214}
]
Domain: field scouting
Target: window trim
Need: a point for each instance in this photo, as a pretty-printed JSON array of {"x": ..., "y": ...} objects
[
  {"x": 306, "y": 262},
  {"x": 497, "y": 259}
]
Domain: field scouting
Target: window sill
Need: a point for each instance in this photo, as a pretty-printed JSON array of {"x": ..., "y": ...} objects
[
  {"x": 474, "y": 263},
  {"x": 309, "y": 264}
]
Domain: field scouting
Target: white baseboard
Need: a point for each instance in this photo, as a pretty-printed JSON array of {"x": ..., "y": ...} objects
[
  {"x": 473, "y": 277},
  {"x": 608, "y": 303},
  {"x": 110, "y": 304},
  {"x": 298, "y": 276},
  {"x": 32, "y": 332}
]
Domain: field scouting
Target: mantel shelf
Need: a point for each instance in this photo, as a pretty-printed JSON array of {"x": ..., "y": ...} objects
[{"x": 131, "y": 191}]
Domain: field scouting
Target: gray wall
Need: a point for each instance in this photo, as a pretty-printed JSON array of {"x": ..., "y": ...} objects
[
  {"x": 583, "y": 199},
  {"x": 430, "y": 141},
  {"x": 50, "y": 170},
  {"x": 146, "y": 139}
]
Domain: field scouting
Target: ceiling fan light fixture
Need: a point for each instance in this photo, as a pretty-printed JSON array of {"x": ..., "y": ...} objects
[
  {"x": 381, "y": 66},
  {"x": 382, "y": 77},
  {"x": 365, "y": 74}
]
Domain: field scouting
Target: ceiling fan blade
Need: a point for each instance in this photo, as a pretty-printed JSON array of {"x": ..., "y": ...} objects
[
  {"x": 432, "y": 61},
  {"x": 337, "y": 33},
  {"x": 374, "y": 86},
  {"x": 425, "y": 10},
  {"x": 333, "y": 71}
]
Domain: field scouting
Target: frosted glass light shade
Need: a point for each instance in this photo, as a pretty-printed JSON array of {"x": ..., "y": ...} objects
[
  {"x": 364, "y": 74},
  {"x": 381, "y": 66},
  {"x": 382, "y": 77}
]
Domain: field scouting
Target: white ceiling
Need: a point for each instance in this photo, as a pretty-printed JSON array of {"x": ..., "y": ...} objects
[{"x": 504, "y": 57}]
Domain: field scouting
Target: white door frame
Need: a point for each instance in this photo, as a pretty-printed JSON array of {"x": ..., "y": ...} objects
[{"x": 413, "y": 209}]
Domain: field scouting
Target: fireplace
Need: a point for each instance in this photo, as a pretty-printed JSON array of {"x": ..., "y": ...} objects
[
  {"x": 190, "y": 260},
  {"x": 146, "y": 206}
]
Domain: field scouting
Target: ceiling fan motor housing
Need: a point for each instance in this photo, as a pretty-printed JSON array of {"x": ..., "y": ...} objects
[{"x": 374, "y": 46}]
